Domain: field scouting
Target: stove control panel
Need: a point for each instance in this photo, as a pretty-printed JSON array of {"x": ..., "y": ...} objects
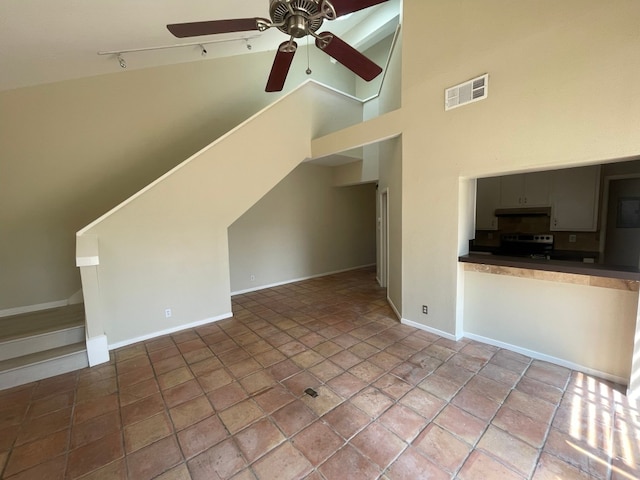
[{"x": 528, "y": 238}]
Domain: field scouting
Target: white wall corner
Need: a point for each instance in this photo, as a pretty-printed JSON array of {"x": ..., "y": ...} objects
[
  {"x": 97, "y": 350},
  {"x": 633, "y": 390},
  {"x": 466, "y": 231},
  {"x": 393, "y": 307},
  {"x": 87, "y": 250}
]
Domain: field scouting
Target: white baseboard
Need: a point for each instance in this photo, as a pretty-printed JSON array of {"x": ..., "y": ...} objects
[
  {"x": 33, "y": 308},
  {"x": 97, "y": 350},
  {"x": 169, "y": 331},
  {"x": 548, "y": 358},
  {"x": 286, "y": 282},
  {"x": 426, "y": 328}
]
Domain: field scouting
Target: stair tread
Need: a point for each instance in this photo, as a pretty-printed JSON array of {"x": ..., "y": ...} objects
[
  {"x": 38, "y": 357},
  {"x": 43, "y": 321}
]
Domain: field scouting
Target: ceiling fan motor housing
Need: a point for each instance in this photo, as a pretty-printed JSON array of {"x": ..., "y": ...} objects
[{"x": 299, "y": 23}]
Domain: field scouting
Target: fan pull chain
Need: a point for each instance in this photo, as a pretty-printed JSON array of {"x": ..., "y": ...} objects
[{"x": 308, "y": 71}]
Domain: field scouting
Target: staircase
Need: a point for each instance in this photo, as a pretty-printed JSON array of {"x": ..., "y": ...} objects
[{"x": 41, "y": 344}]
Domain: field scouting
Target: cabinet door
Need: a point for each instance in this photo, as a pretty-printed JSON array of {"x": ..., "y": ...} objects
[
  {"x": 537, "y": 189},
  {"x": 487, "y": 200},
  {"x": 512, "y": 190},
  {"x": 575, "y": 199},
  {"x": 525, "y": 190}
]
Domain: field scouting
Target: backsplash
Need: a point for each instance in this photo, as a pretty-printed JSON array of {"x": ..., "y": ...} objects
[{"x": 585, "y": 241}]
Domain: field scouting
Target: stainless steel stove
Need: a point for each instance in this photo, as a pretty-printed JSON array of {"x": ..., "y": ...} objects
[{"x": 533, "y": 245}]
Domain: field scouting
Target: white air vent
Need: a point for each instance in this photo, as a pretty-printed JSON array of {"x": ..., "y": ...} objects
[{"x": 467, "y": 92}]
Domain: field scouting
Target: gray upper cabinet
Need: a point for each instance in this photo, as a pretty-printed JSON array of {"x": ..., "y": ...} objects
[
  {"x": 487, "y": 200},
  {"x": 572, "y": 193},
  {"x": 526, "y": 190},
  {"x": 575, "y": 198}
]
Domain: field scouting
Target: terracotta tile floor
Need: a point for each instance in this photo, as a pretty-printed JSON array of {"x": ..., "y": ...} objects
[{"x": 227, "y": 400}]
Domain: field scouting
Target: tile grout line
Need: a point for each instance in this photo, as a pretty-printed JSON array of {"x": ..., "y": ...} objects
[
  {"x": 490, "y": 421},
  {"x": 550, "y": 426}
]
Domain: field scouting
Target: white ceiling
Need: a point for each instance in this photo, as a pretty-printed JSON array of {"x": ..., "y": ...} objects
[{"x": 53, "y": 40}]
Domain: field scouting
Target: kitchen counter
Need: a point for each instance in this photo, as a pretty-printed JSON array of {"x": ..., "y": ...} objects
[{"x": 562, "y": 266}]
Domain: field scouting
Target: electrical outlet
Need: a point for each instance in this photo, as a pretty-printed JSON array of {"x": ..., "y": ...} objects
[
  {"x": 425, "y": 309},
  {"x": 572, "y": 238},
  {"x": 167, "y": 313},
  {"x": 253, "y": 278}
]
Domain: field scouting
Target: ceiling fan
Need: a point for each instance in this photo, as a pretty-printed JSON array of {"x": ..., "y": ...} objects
[{"x": 296, "y": 18}]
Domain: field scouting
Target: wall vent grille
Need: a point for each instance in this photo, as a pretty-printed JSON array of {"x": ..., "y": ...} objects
[{"x": 467, "y": 92}]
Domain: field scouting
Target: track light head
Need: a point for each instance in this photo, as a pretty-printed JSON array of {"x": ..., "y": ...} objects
[
  {"x": 121, "y": 61},
  {"x": 203, "y": 51}
]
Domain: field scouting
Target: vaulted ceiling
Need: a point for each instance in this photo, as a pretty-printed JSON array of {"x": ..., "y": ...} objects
[{"x": 55, "y": 40}]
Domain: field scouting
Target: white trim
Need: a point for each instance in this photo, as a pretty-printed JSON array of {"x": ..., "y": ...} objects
[
  {"x": 97, "y": 350},
  {"x": 547, "y": 358},
  {"x": 87, "y": 261},
  {"x": 169, "y": 331},
  {"x": 33, "y": 308},
  {"x": 87, "y": 251},
  {"x": 383, "y": 241},
  {"x": 394, "y": 41},
  {"x": 435, "y": 331},
  {"x": 286, "y": 282}
]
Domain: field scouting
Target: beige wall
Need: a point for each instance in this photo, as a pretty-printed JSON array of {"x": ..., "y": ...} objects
[
  {"x": 72, "y": 150},
  {"x": 303, "y": 227},
  {"x": 391, "y": 182},
  {"x": 584, "y": 325},
  {"x": 167, "y": 246},
  {"x": 559, "y": 85},
  {"x": 561, "y": 93}
]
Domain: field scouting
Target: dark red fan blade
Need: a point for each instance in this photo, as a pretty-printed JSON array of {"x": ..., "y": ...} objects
[
  {"x": 281, "y": 65},
  {"x": 195, "y": 29},
  {"x": 348, "y": 56},
  {"x": 343, "y": 7}
]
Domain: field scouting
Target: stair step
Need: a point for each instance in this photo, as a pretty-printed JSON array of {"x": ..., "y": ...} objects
[
  {"x": 45, "y": 364},
  {"x": 42, "y": 321},
  {"x": 23, "y": 345}
]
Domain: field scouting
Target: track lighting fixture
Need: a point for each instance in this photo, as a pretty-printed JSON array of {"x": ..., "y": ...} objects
[{"x": 203, "y": 49}]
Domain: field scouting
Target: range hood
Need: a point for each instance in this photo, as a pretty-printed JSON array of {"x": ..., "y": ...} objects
[{"x": 523, "y": 212}]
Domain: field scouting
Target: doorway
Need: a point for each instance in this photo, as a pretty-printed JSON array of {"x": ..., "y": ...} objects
[{"x": 622, "y": 238}]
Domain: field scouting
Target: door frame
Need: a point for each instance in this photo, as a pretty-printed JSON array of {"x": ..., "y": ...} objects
[
  {"x": 383, "y": 226},
  {"x": 604, "y": 207}
]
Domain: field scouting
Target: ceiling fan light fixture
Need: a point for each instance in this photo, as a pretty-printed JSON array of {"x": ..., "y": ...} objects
[{"x": 297, "y": 19}]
